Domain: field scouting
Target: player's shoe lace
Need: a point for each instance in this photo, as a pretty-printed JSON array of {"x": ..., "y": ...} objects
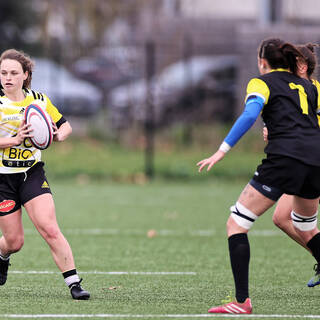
[
  {"x": 77, "y": 292},
  {"x": 233, "y": 307},
  {"x": 4, "y": 265},
  {"x": 315, "y": 280}
]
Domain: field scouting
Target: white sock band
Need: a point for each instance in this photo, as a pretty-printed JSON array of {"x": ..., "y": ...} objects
[
  {"x": 243, "y": 216},
  {"x": 304, "y": 223},
  {"x": 71, "y": 279},
  {"x": 4, "y": 257}
]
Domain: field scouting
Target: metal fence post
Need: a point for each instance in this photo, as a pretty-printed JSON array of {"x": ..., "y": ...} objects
[{"x": 149, "y": 125}]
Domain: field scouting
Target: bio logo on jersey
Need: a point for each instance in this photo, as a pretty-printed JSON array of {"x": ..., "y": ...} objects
[{"x": 17, "y": 154}]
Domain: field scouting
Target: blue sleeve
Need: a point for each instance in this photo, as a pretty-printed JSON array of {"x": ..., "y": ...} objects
[{"x": 250, "y": 114}]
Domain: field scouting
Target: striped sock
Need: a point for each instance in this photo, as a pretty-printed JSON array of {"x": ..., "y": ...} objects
[
  {"x": 5, "y": 257},
  {"x": 70, "y": 277}
]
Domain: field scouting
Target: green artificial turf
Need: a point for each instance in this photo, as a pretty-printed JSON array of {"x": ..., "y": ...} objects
[{"x": 107, "y": 225}]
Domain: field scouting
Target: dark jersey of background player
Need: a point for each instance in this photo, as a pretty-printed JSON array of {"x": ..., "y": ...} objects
[
  {"x": 288, "y": 104},
  {"x": 290, "y": 114}
]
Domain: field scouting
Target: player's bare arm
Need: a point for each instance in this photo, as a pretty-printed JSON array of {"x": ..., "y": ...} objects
[{"x": 61, "y": 133}]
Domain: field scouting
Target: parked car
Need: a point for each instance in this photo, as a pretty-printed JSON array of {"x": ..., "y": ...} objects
[
  {"x": 179, "y": 87},
  {"x": 110, "y": 68},
  {"x": 71, "y": 95}
]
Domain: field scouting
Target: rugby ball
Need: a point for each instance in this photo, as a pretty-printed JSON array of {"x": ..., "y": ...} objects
[{"x": 41, "y": 125}]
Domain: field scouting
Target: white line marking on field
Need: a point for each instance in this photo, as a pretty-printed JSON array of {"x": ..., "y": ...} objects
[
  {"x": 162, "y": 232},
  {"x": 134, "y": 273},
  {"x": 266, "y": 233},
  {"x": 144, "y": 316}
]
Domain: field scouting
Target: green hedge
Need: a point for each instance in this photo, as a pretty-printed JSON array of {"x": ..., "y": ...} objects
[{"x": 84, "y": 159}]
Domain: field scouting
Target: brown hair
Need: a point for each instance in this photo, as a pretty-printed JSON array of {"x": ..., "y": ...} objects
[
  {"x": 25, "y": 61},
  {"x": 279, "y": 54},
  {"x": 309, "y": 56}
]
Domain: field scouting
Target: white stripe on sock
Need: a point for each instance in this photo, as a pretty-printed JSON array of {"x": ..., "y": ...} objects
[
  {"x": 72, "y": 279},
  {"x": 5, "y": 258}
]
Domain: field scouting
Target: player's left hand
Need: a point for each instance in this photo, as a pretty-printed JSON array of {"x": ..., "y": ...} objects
[
  {"x": 210, "y": 162},
  {"x": 265, "y": 134}
]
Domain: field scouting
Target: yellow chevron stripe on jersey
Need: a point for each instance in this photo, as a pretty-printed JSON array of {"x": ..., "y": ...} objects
[
  {"x": 21, "y": 158},
  {"x": 258, "y": 87},
  {"x": 43, "y": 101},
  {"x": 5, "y": 128}
]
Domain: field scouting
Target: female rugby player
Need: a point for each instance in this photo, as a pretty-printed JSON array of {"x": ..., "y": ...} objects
[
  {"x": 288, "y": 104},
  {"x": 22, "y": 177},
  {"x": 282, "y": 214}
]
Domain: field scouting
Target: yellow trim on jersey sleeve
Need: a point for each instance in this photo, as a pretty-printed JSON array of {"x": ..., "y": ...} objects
[
  {"x": 317, "y": 85},
  {"x": 52, "y": 110},
  {"x": 258, "y": 87}
]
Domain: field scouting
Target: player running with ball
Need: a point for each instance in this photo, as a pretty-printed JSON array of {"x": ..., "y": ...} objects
[{"x": 22, "y": 177}]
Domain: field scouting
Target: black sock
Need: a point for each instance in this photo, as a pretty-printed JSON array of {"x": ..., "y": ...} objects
[
  {"x": 314, "y": 246},
  {"x": 239, "y": 250}
]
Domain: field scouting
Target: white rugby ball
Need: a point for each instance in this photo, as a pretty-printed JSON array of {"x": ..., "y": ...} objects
[{"x": 41, "y": 125}]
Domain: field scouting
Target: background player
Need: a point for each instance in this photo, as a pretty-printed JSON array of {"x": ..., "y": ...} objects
[
  {"x": 288, "y": 102},
  {"x": 282, "y": 213}
]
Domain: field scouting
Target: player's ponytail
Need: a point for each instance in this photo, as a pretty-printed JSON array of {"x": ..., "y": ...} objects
[
  {"x": 279, "y": 54},
  {"x": 291, "y": 54},
  {"x": 311, "y": 46}
]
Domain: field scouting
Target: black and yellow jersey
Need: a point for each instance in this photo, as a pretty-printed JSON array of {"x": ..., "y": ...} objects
[
  {"x": 290, "y": 114},
  {"x": 21, "y": 158}
]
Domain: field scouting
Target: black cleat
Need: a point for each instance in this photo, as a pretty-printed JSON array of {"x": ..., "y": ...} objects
[
  {"x": 315, "y": 280},
  {"x": 4, "y": 265},
  {"x": 78, "y": 293}
]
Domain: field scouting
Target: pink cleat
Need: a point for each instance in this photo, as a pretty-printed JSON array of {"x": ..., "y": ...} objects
[{"x": 233, "y": 307}]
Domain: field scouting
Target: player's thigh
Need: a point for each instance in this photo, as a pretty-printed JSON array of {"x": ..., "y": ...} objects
[
  {"x": 283, "y": 209},
  {"x": 255, "y": 201},
  {"x": 305, "y": 207},
  {"x": 37, "y": 199},
  {"x": 11, "y": 225},
  {"x": 10, "y": 206},
  {"x": 250, "y": 205},
  {"x": 41, "y": 211}
]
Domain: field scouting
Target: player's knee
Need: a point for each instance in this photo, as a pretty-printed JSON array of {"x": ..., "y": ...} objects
[
  {"x": 278, "y": 221},
  {"x": 242, "y": 216},
  {"x": 51, "y": 233},
  {"x": 232, "y": 227},
  {"x": 14, "y": 244},
  {"x": 304, "y": 223}
]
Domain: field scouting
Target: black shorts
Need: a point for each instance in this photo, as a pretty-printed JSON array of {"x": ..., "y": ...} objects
[
  {"x": 18, "y": 188},
  {"x": 280, "y": 174}
]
